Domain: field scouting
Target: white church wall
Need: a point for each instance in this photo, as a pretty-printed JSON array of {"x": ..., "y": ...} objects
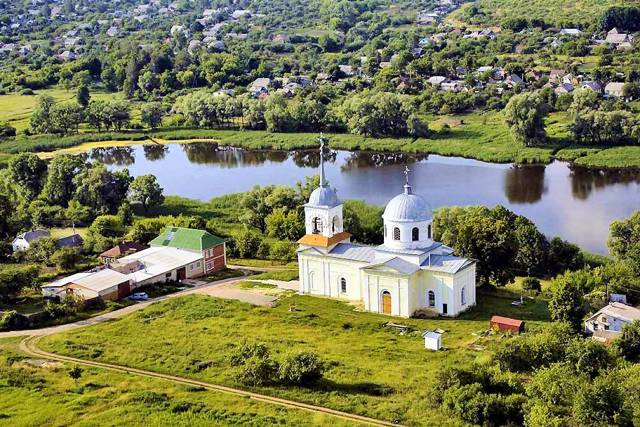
[
  {"x": 406, "y": 237},
  {"x": 351, "y": 273},
  {"x": 327, "y": 218},
  {"x": 398, "y": 288}
]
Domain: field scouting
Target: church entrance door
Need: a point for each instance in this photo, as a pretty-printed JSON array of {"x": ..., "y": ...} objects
[{"x": 386, "y": 302}]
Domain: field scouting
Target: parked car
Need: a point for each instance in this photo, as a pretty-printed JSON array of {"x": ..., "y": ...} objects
[{"x": 139, "y": 296}]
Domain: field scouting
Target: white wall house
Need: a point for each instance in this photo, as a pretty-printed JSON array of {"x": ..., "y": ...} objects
[
  {"x": 408, "y": 272},
  {"x": 611, "y": 318},
  {"x": 22, "y": 242}
]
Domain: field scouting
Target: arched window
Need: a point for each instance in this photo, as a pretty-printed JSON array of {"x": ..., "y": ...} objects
[
  {"x": 317, "y": 225},
  {"x": 343, "y": 285},
  {"x": 463, "y": 297},
  {"x": 432, "y": 298},
  {"x": 385, "y": 231},
  {"x": 429, "y": 231},
  {"x": 396, "y": 233},
  {"x": 335, "y": 223},
  {"x": 415, "y": 234}
]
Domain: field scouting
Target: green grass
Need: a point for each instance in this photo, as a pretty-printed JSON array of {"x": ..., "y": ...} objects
[
  {"x": 60, "y": 232},
  {"x": 262, "y": 263},
  {"x": 284, "y": 275},
  {"x": 616, "y": 157},
  {"x": 16, "y": 109},
  {"x": 47, "y": 396},
  {"x": 249, "y": 284},
  {"x": 372, "y": 370}
]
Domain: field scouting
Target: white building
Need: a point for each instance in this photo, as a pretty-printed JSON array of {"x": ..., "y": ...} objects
[
  {"x": 432, "y": 340},
  {"x": 22, "y": 242},
  {"x": 611, "y": 318},
  {"x": 408, "y": 272}
]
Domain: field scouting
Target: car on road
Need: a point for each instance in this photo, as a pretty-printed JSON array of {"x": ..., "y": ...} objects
[{"x": 139, "y": 296}]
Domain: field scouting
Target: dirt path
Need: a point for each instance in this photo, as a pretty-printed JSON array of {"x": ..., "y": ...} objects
[{"x": 29, "y": 346}]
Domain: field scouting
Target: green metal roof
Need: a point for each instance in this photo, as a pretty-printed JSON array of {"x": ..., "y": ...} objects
[{"x": 186, "y": 238}]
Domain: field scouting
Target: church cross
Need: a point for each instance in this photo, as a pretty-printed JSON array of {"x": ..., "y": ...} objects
[{"x": 406, "y": 174}]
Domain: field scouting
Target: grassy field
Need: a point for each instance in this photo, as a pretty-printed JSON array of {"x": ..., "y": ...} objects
[
  {"x": 372, "y": 369},
  {"x": 16, "y": 109},
  {"x": 36, "y": 395}
]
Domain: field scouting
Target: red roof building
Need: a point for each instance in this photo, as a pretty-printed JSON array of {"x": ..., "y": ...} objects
[
  {"x": 120, "y": 250},
  {"x": 506, "y": 324}
]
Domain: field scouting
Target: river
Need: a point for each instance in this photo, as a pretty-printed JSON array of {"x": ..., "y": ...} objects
[{"x": 576, "y": 204}]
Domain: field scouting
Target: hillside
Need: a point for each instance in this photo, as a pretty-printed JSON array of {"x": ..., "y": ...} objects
[{"x": 561, "y": 13}]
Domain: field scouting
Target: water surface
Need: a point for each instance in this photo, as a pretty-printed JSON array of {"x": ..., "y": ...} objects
[{"x": 575, "y": 203}]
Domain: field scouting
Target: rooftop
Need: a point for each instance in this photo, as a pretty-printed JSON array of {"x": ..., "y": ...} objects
[{"x": 186, "y": 238}]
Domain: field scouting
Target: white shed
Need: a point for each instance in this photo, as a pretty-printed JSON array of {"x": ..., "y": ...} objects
[{"x": 432, "y": 340}]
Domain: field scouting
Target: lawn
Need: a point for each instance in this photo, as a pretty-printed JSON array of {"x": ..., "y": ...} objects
[
  {"x": 16, "y": 109},
  {"x": 372, "y": 370},
  {"x": 47, "y": 396}
]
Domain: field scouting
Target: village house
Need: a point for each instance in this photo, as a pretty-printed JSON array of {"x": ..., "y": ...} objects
[
  {"x": 22, "y": 242},
  {"x": 614, "y": 90},
  {"x": 592, "y": 85},
  {"x": 607, "y": 323},
  {"x": 408, "y": 272},
  {"x": 563, "y": 88},
  {"x": 574, "y": 32},
  {"x": 259, "y": 86},
  {"x": 120, "y": 250},
  {"x": 175, "y": 255}
]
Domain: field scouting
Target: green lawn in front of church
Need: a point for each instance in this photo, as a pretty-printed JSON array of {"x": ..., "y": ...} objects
[{"x": 371, "y": 369}]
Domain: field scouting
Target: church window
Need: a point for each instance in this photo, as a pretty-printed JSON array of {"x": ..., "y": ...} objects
[
  {"x": 396, "y": 233},
  {"x": 415, "y": 234},
  {"x": 429, "y": 231},
  {"x": 385, "y": 231},
  {"x": 335, "y": 223},
  {"x": 463, "y": 297},
  {"x": 343, "y": 285},
  {"x": 317, "y": 225},
  {"x": 432, "y": 299}
]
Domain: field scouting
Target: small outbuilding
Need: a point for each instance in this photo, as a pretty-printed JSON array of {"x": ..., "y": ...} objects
[
  {"x": 506, "y": 324},
  {"x": 432, "y": 340}
]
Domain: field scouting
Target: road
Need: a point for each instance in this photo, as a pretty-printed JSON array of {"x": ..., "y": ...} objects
[{"x": 222, "y": 289}]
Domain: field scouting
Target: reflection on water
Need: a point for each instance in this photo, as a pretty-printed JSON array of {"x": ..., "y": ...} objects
[
  {"x": 154, "y": 152},
  {"x": 575, "y": 203},
  {"x": 524, "y": 183},
  {"x": 585, "y": 180}
]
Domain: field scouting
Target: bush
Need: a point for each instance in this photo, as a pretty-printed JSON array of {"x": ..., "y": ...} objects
[
  {"x": 12, "y": 320},
  {"x": 26, "y": 91},
  {"x": 247, "y": 351},
  {"x": 531, "y": 284},
  {"x": 628, "y": 344},
  {"x": 301, "y": 369},
  {"x": 283, "y": 251},
  {"x": 65, "y": 258},
  {"x": 7, "y": 131},
  {"x": 258, "y": 371}
]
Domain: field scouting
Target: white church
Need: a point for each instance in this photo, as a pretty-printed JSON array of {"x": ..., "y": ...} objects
[{"x": 410, "y": 271}]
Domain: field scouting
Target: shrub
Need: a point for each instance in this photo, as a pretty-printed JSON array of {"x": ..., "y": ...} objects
[
  {"x": 628, "y": 345},
  {"x": 26, "y": 91},
  {"x": 12, "y": 320},
  {"x": 283, "y": 251},
  {"x": 258, "y": 371},
  {"x": 301, "y": 369},
  {"x": 531, "y": 284},
  {"x": 7, "y": 131},
  {"x": 247, "y": 351}
]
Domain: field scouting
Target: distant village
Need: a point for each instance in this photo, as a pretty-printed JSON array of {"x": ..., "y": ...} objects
[{"x": 218, "y": 28}]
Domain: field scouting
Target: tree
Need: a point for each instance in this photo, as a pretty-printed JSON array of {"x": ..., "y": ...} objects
[
  {"x": 146, "y": 191},
  {"x": 66, "y": 117},
  {"x": 27, "y": 171},
  {"x": 15, "y": 277},
  {"x": 58, "y": 187},
  {"x": 75, "y": 374},
  {"x": 41, "y": 250},
  {"x": 6, "y": 130},
  {"x": 100, "y": 189},
  {"x": 284, "y": 225},
  {"x": 107, "y": 226},
  {"x": 151, "y": 114},
  {"x": 40, "y": 121},
  {"x": 624, "y": 240},
  {"x": 246, "y": 243},
  {"x": 524, "y": 114},
  {"x": 601, "y": 403},
  {"x": 65, "y": 258},
  {"x": 83, "y": 97},
  {"x": 567, "y": 300},
  {"x": 628, "y": 344}
]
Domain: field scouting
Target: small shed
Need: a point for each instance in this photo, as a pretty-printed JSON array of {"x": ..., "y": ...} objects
[
  {"x": 506, "y": 324},
  {"x": 432, "y": 340}
]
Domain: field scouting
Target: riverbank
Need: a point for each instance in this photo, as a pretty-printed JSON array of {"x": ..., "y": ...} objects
[{"x": 476, "y": 136}]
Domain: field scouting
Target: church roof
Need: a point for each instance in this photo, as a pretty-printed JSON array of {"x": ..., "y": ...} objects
[
  {"x": 406, "y": 251},
  {"x": 398, "y": 264},
  {"x": 446, "y": 263},
  {"x": 324, "y": 196},
  {"x": 354, "y": 252},
  {"x": 407, "y": 207}
]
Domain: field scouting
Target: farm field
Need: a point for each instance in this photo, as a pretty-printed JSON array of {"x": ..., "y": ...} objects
[
  {"x": 372, "y": 370},
  {"x": 45, "y": 395}
]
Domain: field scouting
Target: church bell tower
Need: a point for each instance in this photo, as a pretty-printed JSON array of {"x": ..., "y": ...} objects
[{"x": 323, "y": 213}]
